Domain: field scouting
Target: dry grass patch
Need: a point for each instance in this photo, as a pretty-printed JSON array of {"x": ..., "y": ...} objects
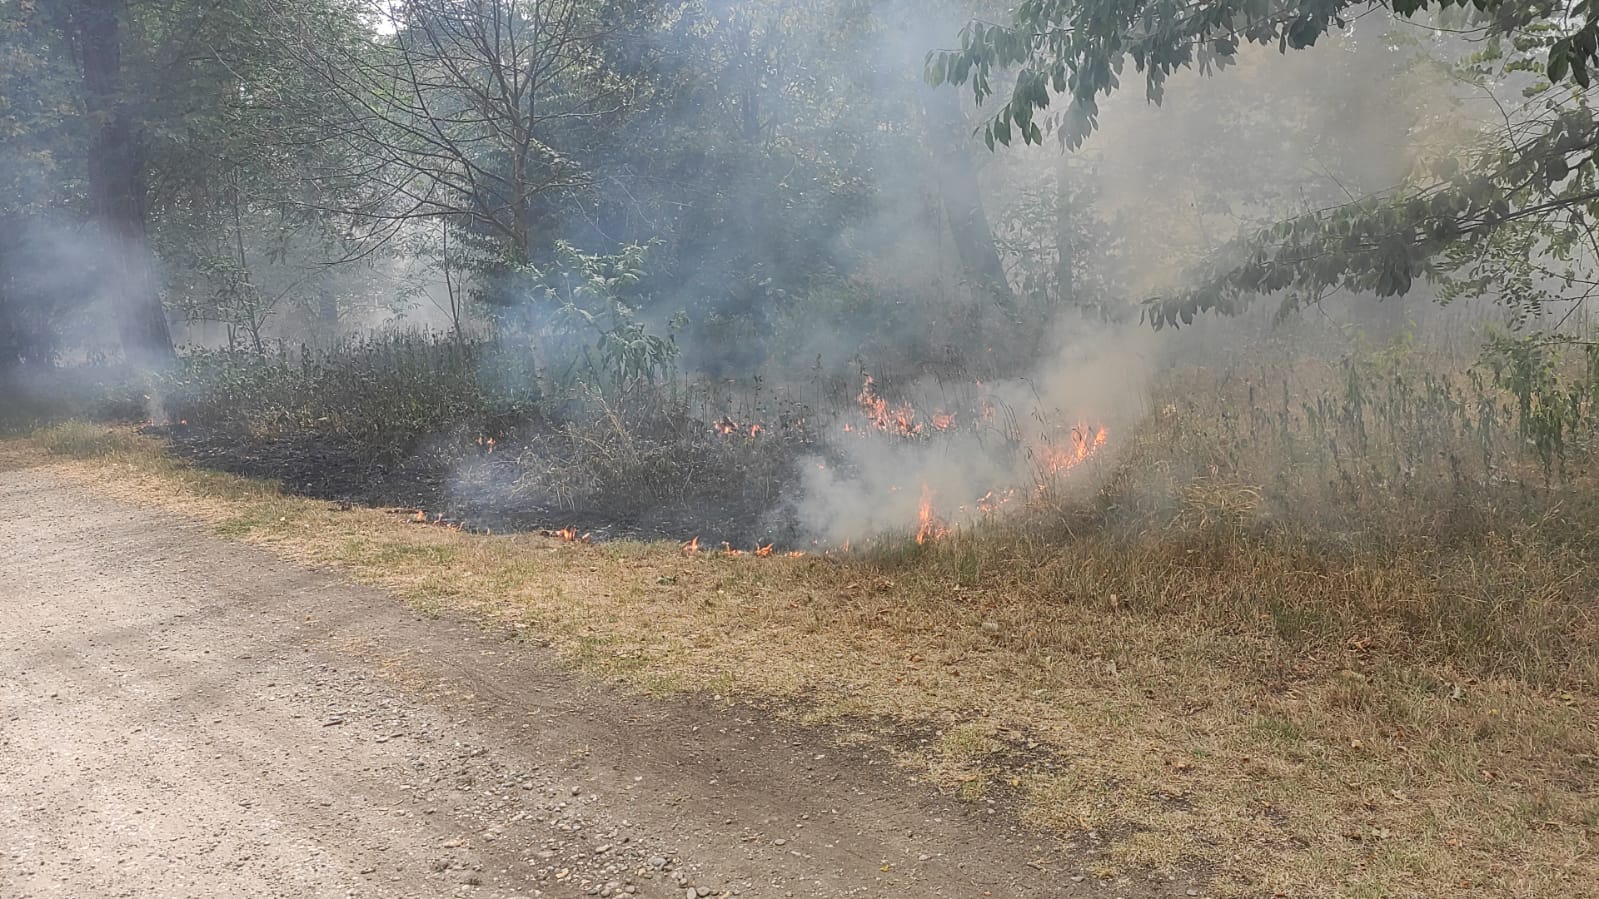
[{"x": 1290, "y": 718}]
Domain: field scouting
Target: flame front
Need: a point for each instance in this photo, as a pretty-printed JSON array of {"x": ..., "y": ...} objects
[{"x": 1053, "y": 457}]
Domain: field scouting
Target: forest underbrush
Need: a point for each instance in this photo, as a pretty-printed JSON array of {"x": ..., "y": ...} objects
[{"x": 1317, "y": 629}]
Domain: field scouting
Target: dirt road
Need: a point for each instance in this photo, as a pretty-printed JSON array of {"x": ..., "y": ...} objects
[{"x": 184, "y": 716}]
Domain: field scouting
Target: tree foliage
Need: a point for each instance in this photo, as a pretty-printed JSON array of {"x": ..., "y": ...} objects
[{"x": 1531, "y": 177}]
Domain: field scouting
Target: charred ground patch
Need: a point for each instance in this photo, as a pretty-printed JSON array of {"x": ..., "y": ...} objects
[{"x": 677, "y": 489}]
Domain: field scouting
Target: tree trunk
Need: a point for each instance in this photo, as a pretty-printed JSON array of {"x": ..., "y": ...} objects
[
  {"x": 522, "y": 256},
  {"x": 116, "y": 184},
  {"x": 963, "y": 203}
]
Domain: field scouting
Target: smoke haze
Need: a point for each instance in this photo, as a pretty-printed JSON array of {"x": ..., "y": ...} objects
[{"x": 812, "y": 212}]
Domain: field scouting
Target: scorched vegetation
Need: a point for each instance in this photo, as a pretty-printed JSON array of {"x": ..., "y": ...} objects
[{"x": 1216, "y": 485}]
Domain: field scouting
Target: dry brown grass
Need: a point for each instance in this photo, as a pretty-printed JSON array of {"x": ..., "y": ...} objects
[{"x": 1294, "y": 719}]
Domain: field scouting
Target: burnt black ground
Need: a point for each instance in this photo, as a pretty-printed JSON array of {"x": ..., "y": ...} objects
[{"x": 480, "y": 490}]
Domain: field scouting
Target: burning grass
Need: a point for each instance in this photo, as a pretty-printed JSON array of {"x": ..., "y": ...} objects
[
  {"x": 411, "y": 420},
  {"x": 1179, "y": 676},
  {"x": 1313, "y": 630}
]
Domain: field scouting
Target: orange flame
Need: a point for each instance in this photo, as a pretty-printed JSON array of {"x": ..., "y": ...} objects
[
  {"x": 692, "y": 548},
  {"x": 763, "y": 551},
  {"x": 421, "y": 516},
  {"x": 1082, "y": 443},
  {"x": 991, "y": 502},
  {"x": 943, "y": 420},
  {"x": 755, "y": 430},
  {"x": 726, "y": 426},
  {"x": 929, "y": 527},
  {"x": 898, "y": 419}
]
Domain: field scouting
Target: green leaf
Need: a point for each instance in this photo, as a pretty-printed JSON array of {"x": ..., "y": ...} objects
[{"x": 1559, "y": 60}]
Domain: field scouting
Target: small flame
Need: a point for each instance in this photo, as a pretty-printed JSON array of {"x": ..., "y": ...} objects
[
  {"x": 692, "y": 548},
  {"x": 929, "y": 526},
  {"x": 567, "y": 534},
  {"x": 763, "y": 551},
  {"x": 726, "y": 426},
  {"x": 898, "y": 419},
  {"x": 991, "y": 502},
  {"x": 755, "y": 430},
  {"x": 1082, "y": 442},
  {"x": 943, "y": 420},
  {"x": 421, "y": 516}
]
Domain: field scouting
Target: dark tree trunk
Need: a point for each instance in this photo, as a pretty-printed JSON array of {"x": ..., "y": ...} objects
[
  {"x": 116, "y": 183},
  {"x": 963, "y": 203}
]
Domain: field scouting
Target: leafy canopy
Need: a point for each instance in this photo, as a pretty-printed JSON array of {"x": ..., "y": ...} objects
[
  {"x": 1529, "y": 184},
  {"x": 1079, "y": 48}
]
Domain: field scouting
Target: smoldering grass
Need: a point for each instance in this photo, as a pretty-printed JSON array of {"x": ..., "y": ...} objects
[
  {"x": 1146, "y": 663},
  {"x": 1260, "y": 644}
]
